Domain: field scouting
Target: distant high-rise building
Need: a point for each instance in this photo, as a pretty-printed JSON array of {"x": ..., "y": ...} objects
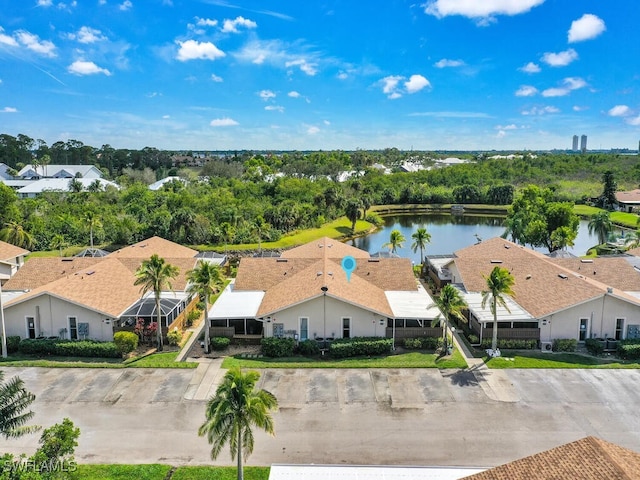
[
  {"x": 575, "y": 143},
  {"x": 583, "y": 143}
]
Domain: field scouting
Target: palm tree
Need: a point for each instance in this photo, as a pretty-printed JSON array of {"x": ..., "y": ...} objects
[
  {"x": 499, "y": 283},
  {"x": 450, "y": 304},
  {"x": 420, "y": 239},
  {"x": 352, "y": 212},
  {"x": 58, "y": 242},
  {"x": 233, "y": 410},
  {"x": 93, "y": 222},
  {"x": 601, "y": 225},
  {"x": 206, "y": 280},
  {"x": 396, "y": 241},
  {"x": 15, "y": 234},
  {"x": 154, "y": 275},
  {"x": 14, "y": 400}
]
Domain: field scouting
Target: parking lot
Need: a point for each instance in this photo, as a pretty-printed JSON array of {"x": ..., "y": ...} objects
[{"x": 350, "y": 416}]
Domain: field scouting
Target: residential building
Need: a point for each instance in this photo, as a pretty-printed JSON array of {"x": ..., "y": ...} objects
[
  {"x": 628, "y": 201},
  {"x": 11, "y": 260},
  {"x": 59, "y": 171},
  {"x": 307, "y": 294}
]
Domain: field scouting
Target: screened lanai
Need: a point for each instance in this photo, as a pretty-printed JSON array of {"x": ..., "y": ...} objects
[{"x": 171, "y": 305}]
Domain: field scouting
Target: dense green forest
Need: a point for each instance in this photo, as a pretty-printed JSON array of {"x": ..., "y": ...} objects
[{"x": 240, "y": 197}]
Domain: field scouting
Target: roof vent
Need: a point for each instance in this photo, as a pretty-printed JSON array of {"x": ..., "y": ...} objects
[
  {"x": 609, "y": 290},
  {"x": 67, "y": 259},
  {"x": 496, "y": 261},
  {"x": 318, "y": 273},
  {"x": 507, "y": 246},
  {"x": 528, "y": 277},
  {"x": 374, "y": 260},
  {"x": 586, "y": 260},
  {"x": 281, "y": 260},
  {"x": 91, "y": 272},
  {"x": 562, "y": 276}
]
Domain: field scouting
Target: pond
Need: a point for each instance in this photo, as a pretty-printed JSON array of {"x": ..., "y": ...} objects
[{"x": 450, "y": 233}]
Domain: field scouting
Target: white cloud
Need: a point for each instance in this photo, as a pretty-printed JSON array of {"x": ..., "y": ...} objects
[
  {"x": 223, "y": 122},
  {"x": 87, "y": 35},
  {"x": 33, "y": 42},
  {"x": 166, "y": 117},
  {"x": 81, "y": 67},
  {"x": 126, "y": 5},
  {"x": 540, "y": 110},
  {"x": 216, "y": 78},
  {"x": 579, "y": 108},
  {"x": 507, "y": 127},
  {"x": 293, "y": 94},
  {"x": 501, "y": 134},
  {"x": 634, "y": 121},
  {"x": 526, "y": 91},
  {"x": 309, "y": 69},
  {"x": 619, "y": 111},
  {"x": 231, "y": 26},
  {"x": 530, "y": 68},
  {"x": 390, "y": 84},
  {"x": 585, "y": 28},
  {"x": 416, "y": 83},
  {"x": 569, "y": 84},
  {"x": 44, "y": 3},
  {"x": 6, "y": 39},
  {"x": 342, "y": 76},
  {"x": 483, "y": 10},
  {"x": 445, "y": 62},
  {"x": 266, "y": 94},
  {"x": 326, "y": 122},
  {"x": 560, "y": 59},
  {"x": 313, "y": 130},
  {"x": 206, "y": 22},
  {"x": 9, "y": 110},
  {"x": 193, "y": 50},
  {"x": 274, "y": 108}
]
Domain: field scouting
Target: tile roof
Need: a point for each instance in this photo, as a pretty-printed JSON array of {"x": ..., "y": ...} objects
[
  {"x": 541, "y": 286},
  {"x": 39, "y": 271},
  {"x": 631, "y": 196},
  {"x": 106, "y": 285},
  {"x": 296, "y": 278},
  {"x": 10, "y": 252},
  {"x": 589, "y": 458},
  {"x": 158, "y": 245}
]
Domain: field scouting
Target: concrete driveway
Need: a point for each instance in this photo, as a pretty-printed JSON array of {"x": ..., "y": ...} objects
[{"x": 474, "y": 417}]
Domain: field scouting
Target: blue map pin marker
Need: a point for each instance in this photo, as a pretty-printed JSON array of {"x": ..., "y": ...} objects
[{"x": 348, "y": 265}]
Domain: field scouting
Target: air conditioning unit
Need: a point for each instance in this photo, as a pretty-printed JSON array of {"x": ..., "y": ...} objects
[{"x": 546, "y": 347}]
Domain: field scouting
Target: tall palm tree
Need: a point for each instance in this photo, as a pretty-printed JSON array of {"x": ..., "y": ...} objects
[
  {"x": 58, "y": 242},
  {"x": 94, "y": 222},
  {"x": 206, "y": 280},
  {"x": 601, "y": 225},
  {"x": 450, "y": 304},
  {"x": 15, "y": 234},
  {"x": 499, "y": 283},
  {"x": 233, "y": 410},
  {"x": 14, "y": 400},
  {"x": 420, "y": 239},
  {"x": 396, "y": 241},
  {"x": 154, "y": 275}
]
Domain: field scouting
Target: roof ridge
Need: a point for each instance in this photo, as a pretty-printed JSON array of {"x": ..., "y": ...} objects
[{"x": 597, "y": 443}]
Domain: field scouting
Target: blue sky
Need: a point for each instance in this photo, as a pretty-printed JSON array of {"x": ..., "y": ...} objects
[{"x": 331, "y": 74}]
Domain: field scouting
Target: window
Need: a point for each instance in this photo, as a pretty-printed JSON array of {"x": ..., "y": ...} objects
[
  {"x": 619, "y": 328},
  {"x": 73, "y": 328},
  {"x": 304, "y": 329},
  {"x": 346, "y": 327},
  {"x": 582, "y": 335}
]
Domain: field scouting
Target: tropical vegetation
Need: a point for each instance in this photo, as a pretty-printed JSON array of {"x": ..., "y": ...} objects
[
  {"x": 499, "y": 283},
  {"x": 206, "y": 279},
  {"x": 14, "y": 403}
]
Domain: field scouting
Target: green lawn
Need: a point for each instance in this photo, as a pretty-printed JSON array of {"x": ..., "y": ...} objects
[
  {"x": 404, "y": 360},
  {"x": 554, "y": 360},
  {"x": 160, "y": 472},
  {"x": 156, "y": 360},
  {"x": 160, "y": 360},
  {"x": 629, "y": 220}
]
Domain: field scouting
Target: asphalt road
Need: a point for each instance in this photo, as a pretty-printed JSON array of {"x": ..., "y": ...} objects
[{"x": 379, "y": 417}]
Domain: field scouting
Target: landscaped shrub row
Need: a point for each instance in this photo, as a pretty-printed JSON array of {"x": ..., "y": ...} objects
[
  {"x": 511, "y": 344},
  {"x": 277, "y": 347},
  {"x": 564, "y": 345},
  {"x": 220, "y": 343},
  {"x": 12, "y": 344},
  {"x": 629, "y": 349},
  {"x": 308, "y": 347},
  {"x": 69, "y": 348},
  {"x": 422, "y": 343},
  {"x": 126, "y": 342},
  {"x": 355, "y": 347},
  {"x": 593, "y": 346}
]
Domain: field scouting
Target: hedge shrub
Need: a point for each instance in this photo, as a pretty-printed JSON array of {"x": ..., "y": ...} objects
[
  {"x": 412, "y": 343},
  {"x": 174, "y": 337},
  {"x": 564, "y": 345},
  {"x": 360, "y": 346},
  {"x": 511, "y": 344},
  {"x": 308, "y": 347},
  {"x": 69, "y": 348},
  {"x": 629, "y": 349},
  {"x": 126, "y": 342},
  {"x": 422, "y": 343},
  {"x": 13, "y": 343},
  {"x": 594, "y": 347},
  {"x": 220, "y": 343},
  {"x": 277, "y": 347}
]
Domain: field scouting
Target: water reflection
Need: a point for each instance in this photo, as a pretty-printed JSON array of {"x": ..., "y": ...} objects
[{"x": 450, "y": 233}]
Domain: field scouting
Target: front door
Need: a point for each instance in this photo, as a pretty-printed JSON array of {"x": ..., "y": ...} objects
[
  {"x": 582, "y": 335},
  {"x": 304, "y": 329},
  {"x": 73, "y": 328},
  {"x": 31, "y": 327},
  {"x": 346, "y": 327}
]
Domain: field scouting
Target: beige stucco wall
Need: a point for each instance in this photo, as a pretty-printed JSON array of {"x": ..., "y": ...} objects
[
  {"x": 602, "y": 314},
  {"x": 325, "y": 319},
  {"x": 54, "y": 314}
]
